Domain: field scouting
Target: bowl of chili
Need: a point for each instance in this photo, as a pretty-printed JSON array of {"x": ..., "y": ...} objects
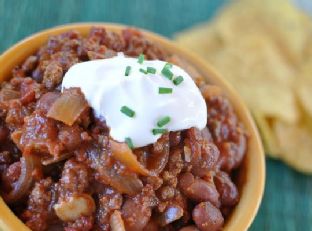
[{"x": 24, "y": 66}]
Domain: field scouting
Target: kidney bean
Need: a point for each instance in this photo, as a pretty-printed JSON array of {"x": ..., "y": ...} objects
[
  {"x": 232, "y": 153},
  {"x": 135, "y": 216},
  {"x": 198, "y": 189},
  {"x": 159, "y": 156},
  {"x": 136, "y": 211},
  {"x": 204, "y": 154},
  {"x": 208, "y": 160},
  {"x": 228, "y": 192},
  {"x": 171, "y": 214},
  {"x": 29, "y": 64},
  {"x": 207, "y": 217}
]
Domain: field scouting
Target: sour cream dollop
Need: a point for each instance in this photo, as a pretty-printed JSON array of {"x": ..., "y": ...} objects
[{"x": 107, "y": 89}]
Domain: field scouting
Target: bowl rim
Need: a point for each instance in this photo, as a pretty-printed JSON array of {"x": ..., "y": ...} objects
[{"x": 253, "y": 189}]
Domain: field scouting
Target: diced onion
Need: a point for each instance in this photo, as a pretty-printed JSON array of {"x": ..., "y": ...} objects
[
  {"x": 8, "y": 94},
  {"x": 25, "y": 180},
  {"x": 128, "y": 183},
  {"x": 68, "y": 107},
  {"x": 124, "y": 154},
  {"x": 116, "y": 222},
  {"x": 56, "y": 159},
  {"x": 75, "y": 207}
]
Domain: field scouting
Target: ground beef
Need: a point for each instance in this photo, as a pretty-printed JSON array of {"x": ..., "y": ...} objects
[
  {"x": 79, "y": 185},
  {"x": 39, "y": 212},
  {"x": 74, "y": 179},
  {"x": 109, "y": 200},
  {"x": 142, "y": 204}
]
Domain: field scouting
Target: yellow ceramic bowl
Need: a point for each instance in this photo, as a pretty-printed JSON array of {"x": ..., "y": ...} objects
[{"x": 252, "y": 171}]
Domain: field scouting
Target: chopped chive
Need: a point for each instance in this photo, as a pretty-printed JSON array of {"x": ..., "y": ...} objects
[
  {"x": 127, "y": 111},
  {"x": 178, "y": 80},
  {"x": 165, "y": 90},
  {"x": 168, "y": 65},
  {"x": 143, "y": 71},
  {"x": 129, "y": 142},
  {"x": 141, "y": 59},
  {"x": 127, "y": 72},
  {"x": 157, "y": 131},
  {"x": 151, "y": 70},
  {"x": 167, "y": 73},
  {"x": 163, "y": 121}
]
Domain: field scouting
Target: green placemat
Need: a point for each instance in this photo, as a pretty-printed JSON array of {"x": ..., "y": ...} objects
[{"x": 287, "y": 204}]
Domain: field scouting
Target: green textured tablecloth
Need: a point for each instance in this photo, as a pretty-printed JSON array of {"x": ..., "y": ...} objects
[{"x": 287, "y": 204}]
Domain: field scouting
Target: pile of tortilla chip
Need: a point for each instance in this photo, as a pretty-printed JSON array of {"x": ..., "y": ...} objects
[{"x": 264, "y": 49}]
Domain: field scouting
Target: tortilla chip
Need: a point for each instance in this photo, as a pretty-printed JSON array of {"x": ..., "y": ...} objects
[
  {"x": 305, "y": 68},
  {"x": 267, "y": 134},
  {"x": 261, "y": 76},
  {"x": 288, "y": 27},
  {"x": 273, "y": 101},
  {"x": 197, "y": 38},
  {"x": 264, "y": 49},
  {"x": 304, "y": 93},
  {"x": 296, "y": 145}
]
